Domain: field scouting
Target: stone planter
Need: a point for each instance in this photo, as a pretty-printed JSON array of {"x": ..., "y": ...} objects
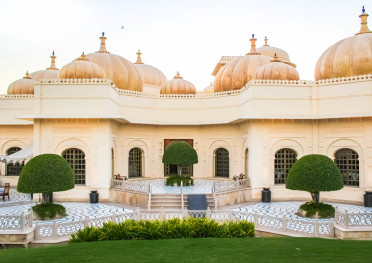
[{"x": 368, "y": 199}]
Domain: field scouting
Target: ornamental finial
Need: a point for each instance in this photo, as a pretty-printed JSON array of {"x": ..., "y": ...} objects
[
  {"x": 139, "y": 60},
  {"x": 102, "y": 48},
  {"x": 363, "y": 10},
  {"x": 253, "y": 50},
  {"x": 363, "y": 28},
  {"x": 53, "y": 62}
]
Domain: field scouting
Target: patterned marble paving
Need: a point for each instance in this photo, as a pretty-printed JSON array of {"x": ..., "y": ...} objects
[
  {"x": 75, "y": 211},
  {"x": 15, "y": 197},
  {"x": 200, "y": 186},
  {"x": 279, "y": 209}
]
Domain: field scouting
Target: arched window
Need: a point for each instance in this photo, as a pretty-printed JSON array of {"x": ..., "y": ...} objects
[
  {"x": 284, "y": 159},
  {"x": 222, "y": 163},
  {"x": 347, "y": 161},
  {"x": 13, "y": 169},
  {"x": 76, "y": 158},
  {"x": 135, "y": 163}
]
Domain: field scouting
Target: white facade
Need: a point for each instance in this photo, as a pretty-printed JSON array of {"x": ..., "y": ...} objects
[{"x": 252, "y": 124}]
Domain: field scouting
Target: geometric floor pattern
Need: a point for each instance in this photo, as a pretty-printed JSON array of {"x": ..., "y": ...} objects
[
  {"x": 15, "y": 197},
  {"x": 200, "y": 186},
  {"x": 289, "y": 209},
  {"x": 75, "y": 211}
]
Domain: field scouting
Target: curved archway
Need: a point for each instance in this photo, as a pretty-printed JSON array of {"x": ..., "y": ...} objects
[
  {"x": 221, "y": 163},
  {"x": 135, "y": 162},
  {"x": 76, "y": 158},
  {"x": 347, "y": 160},
  {"x": 284, "y": 159},
  {"x": 16, "y": 168}
]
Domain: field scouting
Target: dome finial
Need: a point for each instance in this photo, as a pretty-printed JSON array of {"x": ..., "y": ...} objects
[
  {"x": 82, "y": 57},
  {"x": 53, "y": 62},
  {"x": 139, "y": 60},
  {"x": 253, "y": 50},
  {"x": 275, "y": 58},
  {"x": 27, "y": 76},
  {"x": 102, "y": 48},
  {"x": 266, "y": 41},
  {"x": 363, "y": 28},
  {"x": 178, "y": 76}
]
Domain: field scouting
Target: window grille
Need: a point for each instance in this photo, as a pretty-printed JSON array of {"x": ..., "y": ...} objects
[
  {"x": 284, "y": 159},
  {"x": 347, "y": 160},
  {"x": 76, "y": 159},
  {"x": 135, "y": 163},
  {"x": 13, "y": 169},
  {"x": 222, "y": 163}
]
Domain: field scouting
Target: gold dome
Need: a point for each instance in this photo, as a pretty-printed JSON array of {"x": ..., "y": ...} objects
[
  {"x": 50, "y": 73},
  {"x": 270, "y": 51},
  {"x": 150, "y": 74},
  {"x": 349, "y": 57},
  {"x": 82, "y": 68},
  {"x": 238, "y": 72},
  {"x": 22, "y": 86},
  {"x": 177, "y": 85},
  {"x": 119, "y": 70},
  {"x": 277, "y": 70},
  {"x": 209, "y": 89}
]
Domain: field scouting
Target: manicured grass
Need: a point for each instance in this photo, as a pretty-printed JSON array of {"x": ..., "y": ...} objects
[{"x": 257, "y": 249}]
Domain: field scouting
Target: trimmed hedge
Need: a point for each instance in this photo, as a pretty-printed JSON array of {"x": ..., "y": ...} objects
[
  {"x": 166, "y": 229},
  {"x": 49, "y": 210},
  {"x": 314, "y": 173},
  {"x": 324, "y": 210},
  {"x": 180, "y": 153},
  {"x": 177, "y": 179},
  {"x": 46, "y": 173}
]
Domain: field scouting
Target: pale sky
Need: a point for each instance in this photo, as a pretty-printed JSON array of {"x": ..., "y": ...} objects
[{"x": 187, "y": 36}]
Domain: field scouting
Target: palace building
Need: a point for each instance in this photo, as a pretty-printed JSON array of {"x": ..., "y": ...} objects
[{"x": 108, "y": 116}]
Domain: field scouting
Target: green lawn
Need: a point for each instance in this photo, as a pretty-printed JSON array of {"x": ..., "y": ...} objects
[{"x": 257, "y": 249}]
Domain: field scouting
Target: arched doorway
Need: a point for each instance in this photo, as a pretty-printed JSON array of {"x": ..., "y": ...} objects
[
  {"x": 222, "y": 163},
  {"x": 135, "y": 162},
  {"x": 284, "y": 159},
  {"x": 76, "y": 158},
  {"x": 16, "y": 168},
  {"x": 347, "y": 160}
]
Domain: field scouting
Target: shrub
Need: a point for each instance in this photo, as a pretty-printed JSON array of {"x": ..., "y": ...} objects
[
  {"x": 314, "y": 173},
  {"x": 49, "y": 210},
  {"x": 324, "y": 210},
  {"x": 166, "y": 229},
  {"x": 180, "y": 153},
  {"x": 176, "y": 179},
  {"x": 46, "y": 173}
]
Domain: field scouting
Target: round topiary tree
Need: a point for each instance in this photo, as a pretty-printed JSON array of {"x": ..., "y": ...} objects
[
  {"x": 46, "y": 173},
  {"x": 180, "y": 153},
  {"x": 314, "y": 173}
]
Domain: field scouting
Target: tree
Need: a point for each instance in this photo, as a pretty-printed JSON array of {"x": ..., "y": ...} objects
[
  {"x": 46, "y": 173},
  {"x": 180, "y": 153},
  {"x": 314, "y": 173}
]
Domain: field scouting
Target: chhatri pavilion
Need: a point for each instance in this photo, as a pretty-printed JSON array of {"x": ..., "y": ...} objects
[{"x": 109, "y": 116}]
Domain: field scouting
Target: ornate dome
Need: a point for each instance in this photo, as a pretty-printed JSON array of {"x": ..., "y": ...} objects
[
  {"x": 177, "y": 85},
  {"x": 150, "y": 74},
  {"x": 348, "y": 57},
  {"x": 22, "y": 86},
  {"x": 238, "y": 72},
  {"x": 82, "y": 68},
  {"x": 119, "y": 70},
  {"x": 50, "y": 73},
  {"x": 271, "y": 51},
  {"x": 209, "y": 89},
  {"x": 277, "y": 70}
]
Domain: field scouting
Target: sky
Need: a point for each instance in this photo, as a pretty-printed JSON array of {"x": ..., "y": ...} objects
[{"x": 186, "y": 36}]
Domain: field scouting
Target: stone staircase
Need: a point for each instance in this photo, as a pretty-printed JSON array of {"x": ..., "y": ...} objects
[{"x": 174, "y": 201}]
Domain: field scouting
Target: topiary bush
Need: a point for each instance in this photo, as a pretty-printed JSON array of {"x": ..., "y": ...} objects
[
  {"x": 180, "y": 153},
  {"x": 165, "y": 229},
  {"x": 46, "y": 173},
  {"x": 314, "y": 173},
  {"x": 176, "y": 179},
  {"x": 323, "y": 210}
]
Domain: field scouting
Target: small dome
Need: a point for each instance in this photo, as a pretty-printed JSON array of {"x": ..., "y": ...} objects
[
  {"x": 22, "y": 86},
  {"x": 277, "y": 70},
  {"x": 238, "y": 72},
  {"x": 271, "y": 51},
  {"x": 349, "y": 57},
  {"x": 209, "y": 89},
  {"x": 177, "y": 85},
  {"x": 82, "y": 68},
  {"x": 150, "y": 74},
  {"x": 120, "y": 71},
  {"x": 50, "y": 73}
]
